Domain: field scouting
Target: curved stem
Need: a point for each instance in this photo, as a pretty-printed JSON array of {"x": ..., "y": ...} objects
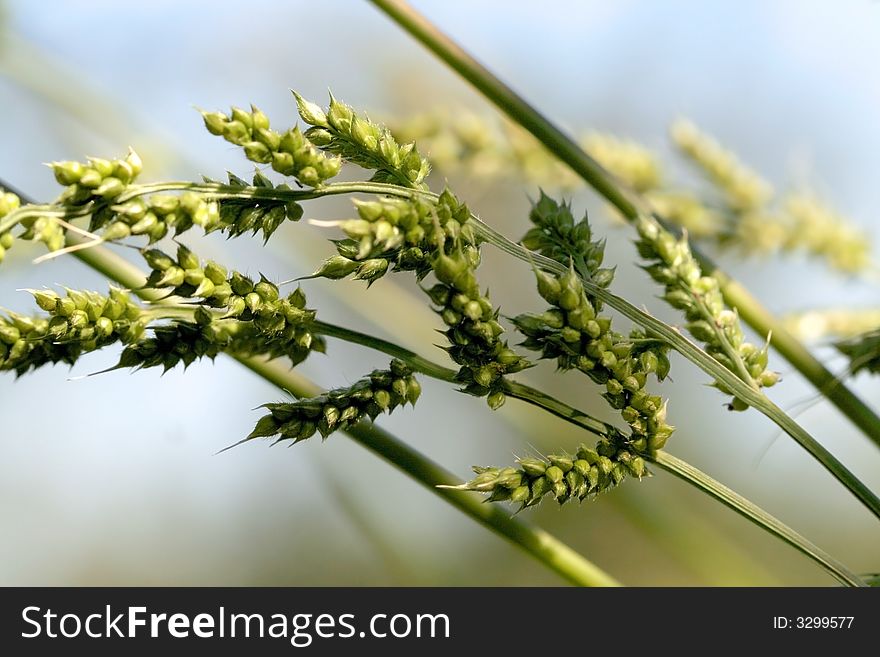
[
  {"x": 411, "y": 358},
  {"x": 721, "y": 336},
  {"x": 513, "y": 389},
  {"x": 706, "y": 363},
  {"x": 676, "y": 466},
  {"x": 559, "y": 409},
  {"x": 631, "y": 205},
  {"x": 688, "y": 349},
  {"x": 742, "y": 506},
  {"x": 539, "y": 544}
]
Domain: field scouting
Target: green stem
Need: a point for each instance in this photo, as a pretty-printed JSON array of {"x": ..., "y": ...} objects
[
  {"x": 688, "y": 349},
  {"x": 420, "y": 364},
  {"x": 705, "y": 362},
  {"x": 559, "y": 409},
  {"x": 214, "y": 190},
  {"x": 721, "y": 336},
  {"x": 742, "y": 506},
  {"x": 631, "y": 205},
  {"x": 676, "y": 466},
  {"x": 127, "y": 274},
  {"x": 539, "y": 544},
  {"x": 411, "y": 358}
]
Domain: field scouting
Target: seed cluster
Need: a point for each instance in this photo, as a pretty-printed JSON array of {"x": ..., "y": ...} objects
[
  {"x": 155, "y": 216},
  {"x": 812, "y": 325},
  {"x": 44, "y": 228},
  {"x": 577, "y": 336},
  {"x": 742, "y": 218},
  {"x": 699, "y": 219},
  {"x": 474, "y": 332},
  {"x": 205, "y": 337},
  {"x": 77, "y": 323},
  {"x": 820, "y": 231},
  {"x": 158, "y": 214},
  {"x": 463, "y": 142},
  {"x": 555, "y": 235},
  {"x": 97, "y": 182},
  {"x": 804, "y": 224},
  {"x": 8, "y": 203},
  {"x": 589, "y": 472},
  {"x": 380, "y": 392},
  {"x": 96, "y": 179},
  {"x": 629, "y": 161},
  {"x": 357, "y": 139},
  {"x": 414, "y": 235},
  {"x": 101, "y": 182},
  {"x": 238, "y": 216},
  {"x": 279, "y": 320},
  {"x": 401, "y": 233},
  {"x": 290, "y": 154},
  {"x": 180, "y": 342},
  {"x": 698, "y": 296},
  {"x": 573, "y": 334}
]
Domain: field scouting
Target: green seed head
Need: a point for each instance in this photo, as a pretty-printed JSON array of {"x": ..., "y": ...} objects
[
  {"x": 496, "y": 400},
  {"x": 533, "y": 467},
  {"x": 310, "y": 112},
  {"x": 118, "y": 230},
  {"x": 413, "y": 390},
  {"x": 236, "y": 306},
  {"x": 171, "y": 277},
  {"x": 90, "y": 178},
  {"x": 215, "y": 122},
  {"x": 371, "y": 270},
  {"x": 336, "y": 267},
  {"x": 9, "y": 334},
  {"x": 266, "y": 291},
  {"x": 46, "y": 299},
  {"x": 548, "y": 286},
  {"x": 554, "y": 474},
  {"x": 104, "y": 327},
  {"x": 214, "y": 272},
  {"x": 67, "y": 173},
  {"x": 241, "y": 284}
]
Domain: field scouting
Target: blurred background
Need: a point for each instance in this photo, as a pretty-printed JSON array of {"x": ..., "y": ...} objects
[{"x": 114, "y": 479}]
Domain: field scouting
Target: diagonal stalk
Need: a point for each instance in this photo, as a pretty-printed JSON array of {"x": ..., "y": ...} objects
[
  {"x": 672, "y": 464},
  {"x": 539, "y": 544},
  {"x": 542, "y": 546},
  {"x": 98, "y": 258},
  {"x": 750, "y": 511},
  {"x": 685, "y": 347},
  {"x": 513, "y": 389},
  {"x": 705, "y": 362},
  {"x": 631, "y": 205}
]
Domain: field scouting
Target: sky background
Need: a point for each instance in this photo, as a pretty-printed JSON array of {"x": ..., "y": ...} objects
[{"x": 114, "y": 479}]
